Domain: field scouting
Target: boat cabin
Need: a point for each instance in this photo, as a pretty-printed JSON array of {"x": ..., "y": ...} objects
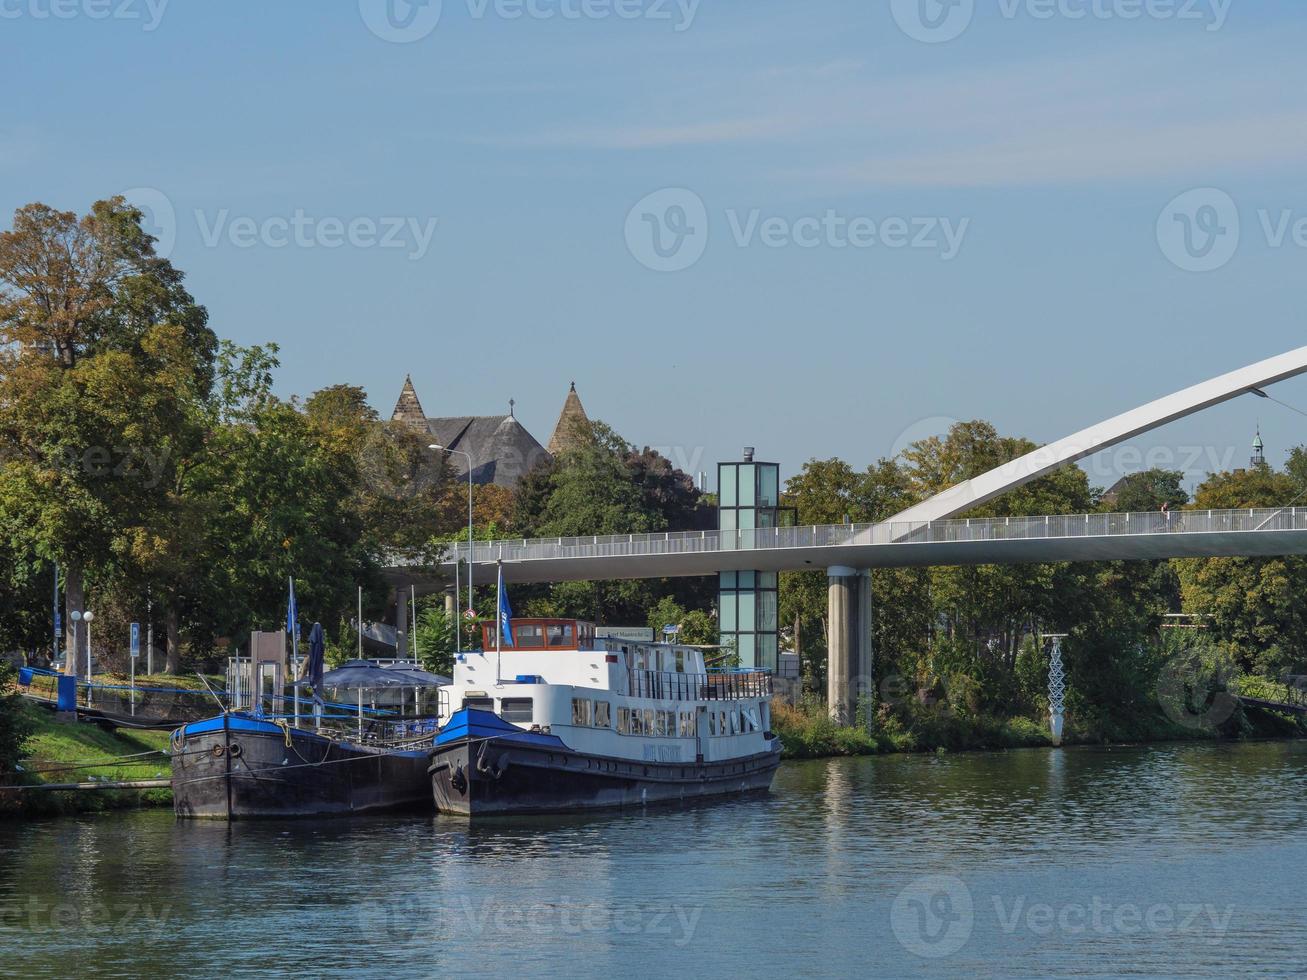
[{"x": 541, "y": 634}]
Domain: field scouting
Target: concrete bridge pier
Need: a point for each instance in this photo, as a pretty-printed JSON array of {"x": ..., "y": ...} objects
[{"x": 849, "y": 664}]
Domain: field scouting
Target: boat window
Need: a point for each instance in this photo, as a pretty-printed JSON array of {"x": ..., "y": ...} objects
[
  {"x": 712, "y": 723},
  {"x": 650, "y": 726},
  {"x": 721, "y": 722},
  {"x": 582, "y": 711},
  {"x": 569, "y": 635},
  {"x": 603, "y": 714},
  {"x": 680, "y": 661},
  {"x": 531, "y": 635},
  {"x": 516, "y": 710},
  {"x": 735, "y": 722},
  {"x": 637, "y": 721},
  {"x": 749, "y": 717},
  {"x": 483, "y": 704},
  {"x": 623, "y": 721}
]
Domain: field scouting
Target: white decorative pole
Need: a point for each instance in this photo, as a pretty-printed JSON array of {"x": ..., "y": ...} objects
[{"x": 1056, "y": 687}]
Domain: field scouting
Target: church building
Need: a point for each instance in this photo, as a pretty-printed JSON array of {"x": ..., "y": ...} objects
[{"x": 500, "y": 447}]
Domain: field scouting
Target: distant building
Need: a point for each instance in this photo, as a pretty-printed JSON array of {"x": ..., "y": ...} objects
[
  {"x": 1259, "y": 450},
  {"x": 501, "y": 448}
]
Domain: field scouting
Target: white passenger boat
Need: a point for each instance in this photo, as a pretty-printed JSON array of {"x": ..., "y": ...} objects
[{"x": 561, "y": 721}]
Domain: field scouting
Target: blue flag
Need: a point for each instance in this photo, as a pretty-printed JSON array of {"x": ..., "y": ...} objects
[
  {"x": 292, "y": 612},
  {"x": 505, "y": 611}
]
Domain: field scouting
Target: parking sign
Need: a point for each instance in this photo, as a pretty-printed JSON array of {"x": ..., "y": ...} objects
[{"x": 136, "y": 639}]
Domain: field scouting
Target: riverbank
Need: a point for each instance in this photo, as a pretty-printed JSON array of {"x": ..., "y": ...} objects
[
  {"x": 807, "y": 732},
  {"x": 63, "y": 752}
]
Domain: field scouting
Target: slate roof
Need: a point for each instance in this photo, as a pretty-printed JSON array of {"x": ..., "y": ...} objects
[{"x": 502, "y": 450}]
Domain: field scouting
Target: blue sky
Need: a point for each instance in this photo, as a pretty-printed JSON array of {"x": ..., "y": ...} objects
[{"x": 866, "y": 228}]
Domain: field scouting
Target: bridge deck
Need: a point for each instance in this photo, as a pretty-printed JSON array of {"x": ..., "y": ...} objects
[{"x": 1077, "y": 537}]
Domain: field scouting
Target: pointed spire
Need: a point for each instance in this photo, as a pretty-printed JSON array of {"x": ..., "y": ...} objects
[
  {"x": 573, "y": 424},
  {"x": 408, "y": 409}
]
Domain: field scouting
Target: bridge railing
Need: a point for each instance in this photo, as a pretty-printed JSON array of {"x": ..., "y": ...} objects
[{"x": 887, "y": 533}]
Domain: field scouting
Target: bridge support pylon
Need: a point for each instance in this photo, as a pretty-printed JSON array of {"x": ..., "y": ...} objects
[{"x": 849, "y": 651}]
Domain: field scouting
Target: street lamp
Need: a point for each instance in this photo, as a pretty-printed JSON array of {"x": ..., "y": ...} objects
[
  {"x": 86, "y": 618},
  {"x": 471, "y": 596}
]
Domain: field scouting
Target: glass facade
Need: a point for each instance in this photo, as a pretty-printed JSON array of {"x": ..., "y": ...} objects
[{"x": 748, "y": 499}]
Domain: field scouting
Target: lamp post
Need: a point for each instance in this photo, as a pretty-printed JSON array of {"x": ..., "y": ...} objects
[
  {"x": 86, "y": 618},
  {"x": 70, "y": 661},
  {"x": 471, "y": 596}
]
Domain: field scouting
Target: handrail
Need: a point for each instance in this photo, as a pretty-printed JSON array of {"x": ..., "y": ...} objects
[
  {"x": 661, "y": 685},
  {"x": 957, "y": 530}
]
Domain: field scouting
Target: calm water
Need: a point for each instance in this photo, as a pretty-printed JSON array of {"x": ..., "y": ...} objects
[{"x": 1180, "y": 861}]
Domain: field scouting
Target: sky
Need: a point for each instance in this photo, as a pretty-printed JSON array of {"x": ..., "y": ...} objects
[{"x": 820, "y": 229}]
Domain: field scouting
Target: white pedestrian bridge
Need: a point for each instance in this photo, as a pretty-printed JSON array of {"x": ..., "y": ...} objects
[{"x": 1072, "y": 537}]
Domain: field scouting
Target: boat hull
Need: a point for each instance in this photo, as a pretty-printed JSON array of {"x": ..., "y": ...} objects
[
  {"x": 241, "y": 768},
  {"x": 495, "y": 777}
]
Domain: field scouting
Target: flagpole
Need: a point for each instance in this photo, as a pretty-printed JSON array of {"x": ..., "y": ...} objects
[
  {"x": 499, "y": 624},
  {"x": 295, "y": 654}
]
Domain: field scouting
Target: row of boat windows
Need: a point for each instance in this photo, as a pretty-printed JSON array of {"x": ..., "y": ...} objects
[
  {"x": 587, "y": 713},
  {"x": 650, "y": 721}
]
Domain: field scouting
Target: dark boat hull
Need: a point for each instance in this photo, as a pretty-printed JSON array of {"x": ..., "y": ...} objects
[
  {"x": 241, "y": 768},
  {"x": 498, "y": 776}
]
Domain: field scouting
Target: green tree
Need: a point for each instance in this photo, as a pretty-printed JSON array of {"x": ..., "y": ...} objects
[
  {"x": 1254, "y": 604},
  {"x": 1148, "y": 491},
  {"x": 103, "y": 357}
]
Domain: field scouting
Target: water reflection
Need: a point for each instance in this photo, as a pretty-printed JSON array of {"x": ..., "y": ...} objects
[{"x": 804, "y": 881}]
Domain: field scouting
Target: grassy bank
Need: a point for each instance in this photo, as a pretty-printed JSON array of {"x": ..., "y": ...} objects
[
  {"x": 807, "y": 732},
  {"x": 61, "y": 752}
]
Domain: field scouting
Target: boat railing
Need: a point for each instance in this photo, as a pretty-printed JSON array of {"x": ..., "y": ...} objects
[{"x": 669, "y": 686}]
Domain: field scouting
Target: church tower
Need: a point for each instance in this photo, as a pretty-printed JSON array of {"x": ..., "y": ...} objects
[
  {"x": 1259, "y": 450},
  {"x": 408, "y": 409},
  {"x": 573, "y": 425}
]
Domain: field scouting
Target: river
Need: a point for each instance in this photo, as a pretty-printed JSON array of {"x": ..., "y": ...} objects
[{"x": 1175, "y": 860}]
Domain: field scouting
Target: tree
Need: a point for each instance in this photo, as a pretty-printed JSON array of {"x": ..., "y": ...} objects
[
  {"x": 1148, "y": 491},
  {"x": 1255, "y": 604},
  {"x": 103, "y": 357}
]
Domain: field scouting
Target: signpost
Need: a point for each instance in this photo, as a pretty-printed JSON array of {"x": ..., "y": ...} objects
[{"x": 136, "y": 653}]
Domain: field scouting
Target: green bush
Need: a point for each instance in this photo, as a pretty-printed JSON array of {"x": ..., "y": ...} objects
[{"x": 15, "y": 724}]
